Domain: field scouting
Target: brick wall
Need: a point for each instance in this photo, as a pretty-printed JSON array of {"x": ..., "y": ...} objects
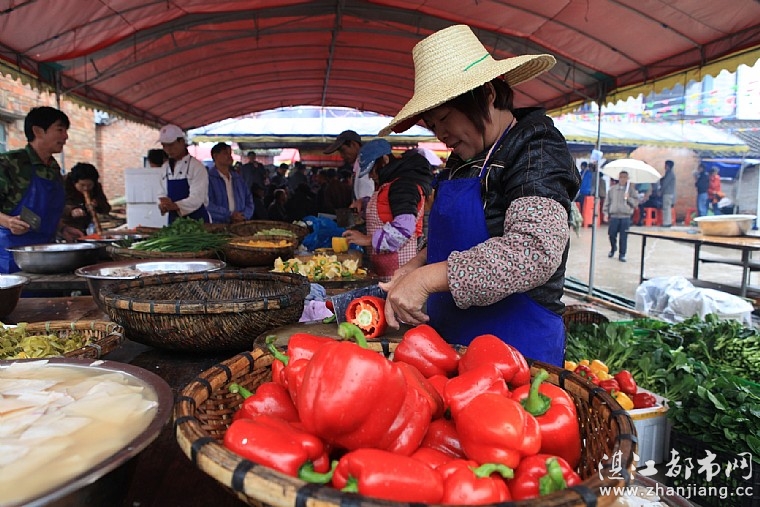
[{"x": 111, "y": 148}]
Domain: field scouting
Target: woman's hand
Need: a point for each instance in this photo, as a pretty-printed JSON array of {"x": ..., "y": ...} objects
[
  {"x": 357, "y": 238},
  {"x": 16, "y": 225},
  {"x": 408, "y": 291},
  {"x": 77, "y": 212}
]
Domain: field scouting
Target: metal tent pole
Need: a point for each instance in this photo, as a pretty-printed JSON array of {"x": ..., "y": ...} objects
[{"x": 595, "y": 214}]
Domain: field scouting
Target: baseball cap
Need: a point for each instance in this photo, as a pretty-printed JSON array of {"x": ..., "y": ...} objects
[
  {"x": 170, "y": 133},
  {"x": 343, "y": 137},
  {"x": 369, "y": 154}
]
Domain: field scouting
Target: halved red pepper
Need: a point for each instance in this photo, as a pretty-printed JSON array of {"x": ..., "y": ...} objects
[
  {"x": 425, "y": 349},
  {"x": 467, "y": 483},
  {"x": 281, "y": 445},
  {"x": 462, "y": 389},
  {"x": 351, "y": 396},
  {"x": 270, "y": 399},
  {"x": 496, "y": 429},
  {"x": 626, "y": 382},
  {"x": 488, "y": 348},
  {"x": 541, "y": 475},
  {"x": 368, "y": 314},
  {"x": 557, "y": 417},
  {"x": 389, "y": 476},
  {"x": 644, "y": 400},
  {"x": 442, "y": 436}
]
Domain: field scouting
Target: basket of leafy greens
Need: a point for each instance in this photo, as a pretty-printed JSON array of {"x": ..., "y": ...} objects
[{"x": 183, "y": 238}]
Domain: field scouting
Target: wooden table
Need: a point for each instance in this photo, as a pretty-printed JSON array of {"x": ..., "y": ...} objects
[{"x": 744, "y": 244}]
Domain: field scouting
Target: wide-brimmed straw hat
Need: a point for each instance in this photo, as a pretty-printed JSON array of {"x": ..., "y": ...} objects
[{"x": 453, "y": 61}]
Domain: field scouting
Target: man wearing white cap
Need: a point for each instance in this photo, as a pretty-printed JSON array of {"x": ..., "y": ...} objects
[
  {"x": 347, "y": 144},
  {"x": 498, "y": 230},
  {"x": 184, "y": 186}
]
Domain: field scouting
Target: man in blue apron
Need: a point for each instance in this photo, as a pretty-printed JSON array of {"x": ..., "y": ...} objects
[
  {"x": 31, "y": 187},
  {"x": 498, "y": 233},
  {"x": 184, "y": 186}
]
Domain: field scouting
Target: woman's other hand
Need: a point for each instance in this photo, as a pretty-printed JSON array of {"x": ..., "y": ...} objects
[
  {"x": 77, "y": 212},
  {"x": 408, "y": 291},
  {"x": 357, "y": 238},
  {"x": 15, "y": 225}
]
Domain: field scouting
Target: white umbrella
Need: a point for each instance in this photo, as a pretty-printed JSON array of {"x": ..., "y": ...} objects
[{"x": 638, "y": 171}]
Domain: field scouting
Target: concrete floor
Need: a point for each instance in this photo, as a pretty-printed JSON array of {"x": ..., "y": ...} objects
[{"x": 662, "y": 258}]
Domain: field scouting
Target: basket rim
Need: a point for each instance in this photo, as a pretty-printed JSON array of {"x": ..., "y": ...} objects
[
  {"x": 114, "y": 300},
  {"x": 113, "y": 335},
  {"x": 243, "y": 477},
  {"x": 300, "y": 231},
  {"x": 262, "y": 249},
  {"x": 149, "y": 254}
]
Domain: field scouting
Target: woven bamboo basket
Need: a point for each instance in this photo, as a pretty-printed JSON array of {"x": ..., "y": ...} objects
[
  {"x": 582, "y": 314},
  {"x": 127, "y": 254},
  {"x": 205, "y": 407},
  {"x": 105, "y": 336},
  {"x": 251, "y": 227},
  {"x": 203, "y": 312},
  {"x": 253, "y": 256}
]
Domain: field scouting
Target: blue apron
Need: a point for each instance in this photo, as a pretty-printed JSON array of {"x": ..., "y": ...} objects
[
  {"x": 176, "y": 190},
  {"x": 46, "y": 198},
  {"x": 457, "y": 222}
]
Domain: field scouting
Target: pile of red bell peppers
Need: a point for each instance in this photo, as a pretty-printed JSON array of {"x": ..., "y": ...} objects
[{"x": 427, "y": 426}]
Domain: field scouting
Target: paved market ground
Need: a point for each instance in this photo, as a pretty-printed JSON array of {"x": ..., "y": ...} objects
[{"x": 663, "y": 258}]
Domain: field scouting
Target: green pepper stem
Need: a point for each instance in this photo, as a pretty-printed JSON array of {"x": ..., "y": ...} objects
[
  {"x": 351, "y": 331},
  {"x": 486, "y": 469},
  {"x": 238, "y": 389},
  {"x": 537, "y": 403},
  {"x": 275, "y": 351},
  {"x": 307, "y": 473},
  {"x": 352, "y": 486},
  {"x": 553, "y": 480}
]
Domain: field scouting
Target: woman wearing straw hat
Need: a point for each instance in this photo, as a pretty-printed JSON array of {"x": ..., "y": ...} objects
[{"x": 498, "y": 230}]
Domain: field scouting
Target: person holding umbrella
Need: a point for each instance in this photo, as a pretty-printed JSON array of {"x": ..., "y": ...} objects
[{"x": 622, "y": 200}]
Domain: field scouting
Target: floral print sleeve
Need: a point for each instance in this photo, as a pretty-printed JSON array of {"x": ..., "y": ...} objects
[{"x": 530, "y": 251}]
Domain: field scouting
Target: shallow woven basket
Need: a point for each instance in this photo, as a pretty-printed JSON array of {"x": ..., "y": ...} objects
[
  {"x": 106, "y": 336},
  {"x": 203, "y": 312},
  {"x": 251, "y": 227},
  {"x": 126, "y": 254},
  {"x": 582, "y": 314},
  {"x": 253, "y": 256},
  {"x": 205, "y": 407}
]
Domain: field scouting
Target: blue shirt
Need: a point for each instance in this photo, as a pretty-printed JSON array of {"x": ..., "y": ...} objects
[{"x": 218, "y": 204}]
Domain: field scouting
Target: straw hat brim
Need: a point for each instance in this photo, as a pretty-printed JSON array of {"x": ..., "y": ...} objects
[{"x": 516, "y": 70}]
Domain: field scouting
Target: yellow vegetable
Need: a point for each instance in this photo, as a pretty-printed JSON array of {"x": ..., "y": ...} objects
[
  {"x": 597, "y": 366},
  {"x": 583, "y": 362},
  {"x": 570, "y": 365},
  {"x": 625, "y": 402},
  {"x": 339, "y": 244},
  {"x": 603, "y": 375}
]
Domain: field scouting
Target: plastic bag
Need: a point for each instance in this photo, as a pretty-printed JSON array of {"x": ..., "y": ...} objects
[
  {"x": 675, "y": 299},
  {"x": 323, "y": 230}
]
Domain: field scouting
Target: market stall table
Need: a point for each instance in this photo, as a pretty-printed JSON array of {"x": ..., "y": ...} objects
[{"x": 744, "y": 244}]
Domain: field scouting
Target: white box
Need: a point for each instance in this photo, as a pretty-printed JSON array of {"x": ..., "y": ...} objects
[
  {"x": 145, "y": 215},
  {"x": 142, "y": 184},
  {"x": 652, "y": 430}
]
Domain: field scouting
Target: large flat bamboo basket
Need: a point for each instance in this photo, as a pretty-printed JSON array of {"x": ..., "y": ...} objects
[
  {"x": 251, "y": 227},
  {"x": 209, "y": 311},
  {"x": 205, "y": 408}
]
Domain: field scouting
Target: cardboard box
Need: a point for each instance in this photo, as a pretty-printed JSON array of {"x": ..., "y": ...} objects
[{"x": 652, "y": 431}]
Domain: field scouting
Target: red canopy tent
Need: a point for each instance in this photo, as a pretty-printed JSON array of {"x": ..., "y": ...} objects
[{"x": 193, "y": 62}]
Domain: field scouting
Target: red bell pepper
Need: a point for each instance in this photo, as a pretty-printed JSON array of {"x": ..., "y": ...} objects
[
  {"x": 442, "y": 436},
  {"x": 585, "y": 372},
  {"x": 415, "y": 379},
  {"x": 541, "y": 475},
  {"x": 300, "y": 346},
  {"x": 644, "y": 400},
  {"x": 279, "y": 444},
  {"x": 626, "y": 382},
  {"x": 609, "y": 385},
  {"x": 438, "y": 382},
  {"x": 461, "y": 390},
  {"x": 368, "y": 314},
  {"x": 431, "y": 457},
  {"x": 495, "y": 429},
  {"x": 557, "y": 417},
  {"x": 388, "y": 476},
  {"x": 350, "y": 396},
  {"x": 425, "y": 349},
  {"x": 467, "y": 483},
  {"x": 488, "y": 348},
  {"x": 270, "y": 399}
]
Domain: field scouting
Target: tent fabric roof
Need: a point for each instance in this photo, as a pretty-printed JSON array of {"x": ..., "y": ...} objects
[{"x": 194, "y": 62}]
